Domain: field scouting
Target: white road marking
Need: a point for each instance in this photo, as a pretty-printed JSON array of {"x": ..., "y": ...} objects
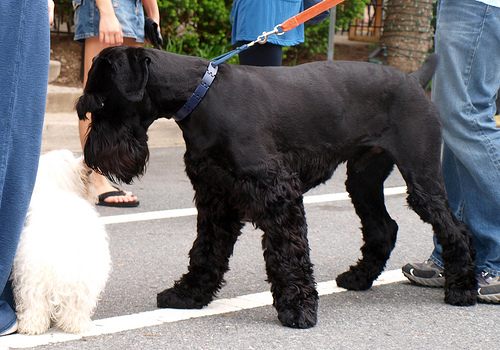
[
  {"x": 176, "y": 213},
  {"x": 161, "y": 316}
]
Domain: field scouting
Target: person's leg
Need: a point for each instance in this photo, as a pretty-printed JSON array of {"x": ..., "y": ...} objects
[
  {"x": 92, "y": 48},
  {"x": 261, "y": 55},
  {"x": 24, "y": 58},
  {"x": 465, "y": 90}
]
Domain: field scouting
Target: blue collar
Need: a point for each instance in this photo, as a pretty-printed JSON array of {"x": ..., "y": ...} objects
[
  {"x": 209, "y": 77},
  {"x": 198, "y": 94}
]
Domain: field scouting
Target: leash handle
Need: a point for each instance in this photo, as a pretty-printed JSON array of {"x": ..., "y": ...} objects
[{"x": 306, "y": 15}]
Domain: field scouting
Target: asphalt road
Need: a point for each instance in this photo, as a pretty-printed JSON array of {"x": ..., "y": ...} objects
[{"x": 150, "y": 247}]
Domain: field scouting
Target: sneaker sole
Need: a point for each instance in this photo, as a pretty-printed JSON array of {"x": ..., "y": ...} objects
[
  {"x": 11, "y": 330},
  {"x": 489, "y": 299},
  {"x": 426, "y": 282}
]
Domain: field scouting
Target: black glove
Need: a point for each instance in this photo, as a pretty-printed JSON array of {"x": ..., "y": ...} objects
[{"x": 152, "y": 33}]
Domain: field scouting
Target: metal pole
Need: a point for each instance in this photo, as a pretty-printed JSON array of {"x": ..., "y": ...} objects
[{"x": 331, "y": 34}]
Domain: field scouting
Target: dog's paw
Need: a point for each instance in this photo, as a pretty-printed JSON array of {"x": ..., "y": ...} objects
[
  {"x": 173, "y": 298},
  {"x": 460, "y": 297},
  {"x": 353, "y": 281},
  {"x": 32, "y": 328},
  {"x": 77, "y": 325},
  {"x": 299, "y": 317}
]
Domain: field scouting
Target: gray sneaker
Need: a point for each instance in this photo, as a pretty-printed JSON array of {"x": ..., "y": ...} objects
[
  {"x": 426, "y": 274},
  {"x": 488, "y": 288}
]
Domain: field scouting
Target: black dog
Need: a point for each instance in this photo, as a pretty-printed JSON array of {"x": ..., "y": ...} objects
[{"x": 258, "y": 141}]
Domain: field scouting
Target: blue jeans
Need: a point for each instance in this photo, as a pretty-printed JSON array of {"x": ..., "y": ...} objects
[
  {"x": 465, "y": 88},
  {"x": 24, "y": 62}
]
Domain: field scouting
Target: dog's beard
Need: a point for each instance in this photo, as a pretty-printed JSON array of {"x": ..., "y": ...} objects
[{"x": 119, "y": 155}]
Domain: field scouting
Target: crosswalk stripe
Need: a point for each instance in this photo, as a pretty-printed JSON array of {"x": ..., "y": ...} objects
[
  {"x": 161, "y": 316},
  {"x": 176, "y": 213}
]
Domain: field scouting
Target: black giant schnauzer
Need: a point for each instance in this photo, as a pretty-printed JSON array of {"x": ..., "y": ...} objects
[{"x": 260, "y": 139}]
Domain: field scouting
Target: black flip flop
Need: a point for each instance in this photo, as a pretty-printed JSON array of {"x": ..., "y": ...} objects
[{"x": 105, "y": 195}]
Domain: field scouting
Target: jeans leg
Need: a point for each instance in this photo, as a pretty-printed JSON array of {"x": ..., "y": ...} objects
[
  {"x": 24, "y": 58},
  {"x": 449, "y": 167},
  {"x": 465, "y": 89}
]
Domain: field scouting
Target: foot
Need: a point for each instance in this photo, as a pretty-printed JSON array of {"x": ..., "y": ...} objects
[
  {"x": 429, "y": 274},
  {"x": 12, "y": 329},
  {"x": 426, "y": 274},
  {"x": 110, "y": 195},
  {"x": 488, "y": 288},
  {"x": 179, "y": 298},
  {"x": 299, "y": 316},
  {"x": 353, "y": 279}
]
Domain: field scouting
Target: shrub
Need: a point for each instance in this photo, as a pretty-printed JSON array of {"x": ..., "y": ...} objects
[
  {"x": 203, "y": 28},
  {"x": 196, "y": 25}
]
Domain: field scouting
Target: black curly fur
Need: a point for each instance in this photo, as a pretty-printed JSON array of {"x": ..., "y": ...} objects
[{"x": 259, "y": 140}]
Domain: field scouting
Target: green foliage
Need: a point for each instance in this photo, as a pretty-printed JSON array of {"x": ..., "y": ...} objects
[
  {"x": 316, "y": 35},
  {"x": 349, "y": 10},
  {"x": 195, "y": 25},
  {"x": 202, "y": 27}
]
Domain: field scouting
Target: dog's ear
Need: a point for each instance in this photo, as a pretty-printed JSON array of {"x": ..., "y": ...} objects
[
  {"x": 130, "y": 73},
  {"x": 88, "y": 103}
]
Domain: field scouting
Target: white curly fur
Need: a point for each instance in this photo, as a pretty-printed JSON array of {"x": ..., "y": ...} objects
[{"x": 63, "y": 260}]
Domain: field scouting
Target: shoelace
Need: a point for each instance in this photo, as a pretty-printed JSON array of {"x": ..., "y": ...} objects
[{"x": 486, "y": 278}]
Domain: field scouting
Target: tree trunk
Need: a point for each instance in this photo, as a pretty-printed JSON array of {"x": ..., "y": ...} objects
[{"x": 408, "y": 33}]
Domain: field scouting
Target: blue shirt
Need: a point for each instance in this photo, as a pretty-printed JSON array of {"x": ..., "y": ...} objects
[
  {"x": 250, "y": 18},
  {"x": 495, "y": 3}
]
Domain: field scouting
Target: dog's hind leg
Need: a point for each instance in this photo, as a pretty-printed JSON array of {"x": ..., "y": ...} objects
[
  {"x": 427, "y": 197},
  {"x": 366, "y": 174},
  {"x": 288, "y": 264},
  {"x": 33, "y": 311},
  {"x": 218, "y": 230},
  {"x": 72, "y": 311}
]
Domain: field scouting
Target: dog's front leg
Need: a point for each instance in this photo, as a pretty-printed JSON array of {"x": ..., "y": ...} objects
[
  {"x": 218, "y": 230},
  {"x": 289, "y": 268}
]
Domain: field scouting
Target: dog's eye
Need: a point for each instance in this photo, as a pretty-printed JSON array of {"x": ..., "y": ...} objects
[{"x": 99, "y": 107}]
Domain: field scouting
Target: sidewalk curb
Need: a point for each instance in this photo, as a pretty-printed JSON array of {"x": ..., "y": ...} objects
[
  {"x": 60, "y": 131},
  {"x": 61, "y": 99}
]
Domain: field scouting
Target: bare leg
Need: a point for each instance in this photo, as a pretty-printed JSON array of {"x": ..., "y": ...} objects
[{"x": 92, "y": 48}]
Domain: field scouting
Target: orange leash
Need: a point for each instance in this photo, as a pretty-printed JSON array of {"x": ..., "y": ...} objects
[
  {"x": 306, "y": 15},
  {"x": 209, "y": 76},
  {"x": 280, "y": 29}
]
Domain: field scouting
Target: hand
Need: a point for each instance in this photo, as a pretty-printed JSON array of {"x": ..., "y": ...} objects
[
  {"x": 51, "y": 11},
  {"x": 110, "y": 30}
]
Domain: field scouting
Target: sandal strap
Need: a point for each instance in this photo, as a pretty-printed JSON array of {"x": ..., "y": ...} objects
[{"x": 105, "y": 195}]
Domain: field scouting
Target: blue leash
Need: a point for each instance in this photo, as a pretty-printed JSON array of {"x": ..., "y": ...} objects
[
  {"x": 211, "y": 72},
  {"x": 222, "y": 58}
]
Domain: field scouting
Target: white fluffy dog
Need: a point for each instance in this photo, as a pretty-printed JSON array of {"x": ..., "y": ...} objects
[{"x": 63, "y": 259}]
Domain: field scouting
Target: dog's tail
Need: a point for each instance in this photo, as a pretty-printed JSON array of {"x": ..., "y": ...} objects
[{"x": 426, "y": 71}]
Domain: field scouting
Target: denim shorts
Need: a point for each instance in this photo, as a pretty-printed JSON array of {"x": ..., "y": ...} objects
[{"x": 130, "y": 13}]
